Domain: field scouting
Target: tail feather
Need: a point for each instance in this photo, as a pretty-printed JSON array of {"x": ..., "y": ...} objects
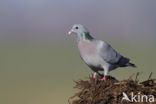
[
  {"x": 124, "y": 62},
  {"x": 131, "y": 64}
]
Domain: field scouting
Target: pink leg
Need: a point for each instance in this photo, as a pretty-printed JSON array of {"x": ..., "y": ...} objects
[
  {"x": 104, "y": 78},
  {"x": 94, "y": 76}
]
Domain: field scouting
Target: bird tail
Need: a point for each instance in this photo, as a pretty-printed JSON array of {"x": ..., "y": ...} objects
[
  {"x": 124, "y": 62},
  {"x": 131, "y": 64}
]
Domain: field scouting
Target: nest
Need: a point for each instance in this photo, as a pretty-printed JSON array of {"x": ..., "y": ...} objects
[{"x": 95, "y": 91}]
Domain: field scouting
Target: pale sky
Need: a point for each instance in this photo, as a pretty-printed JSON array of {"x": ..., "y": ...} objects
[{"x": 26, "y": 19}]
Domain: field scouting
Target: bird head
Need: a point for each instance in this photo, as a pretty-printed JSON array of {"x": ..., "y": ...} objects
[{"x": 78, "y": 29}]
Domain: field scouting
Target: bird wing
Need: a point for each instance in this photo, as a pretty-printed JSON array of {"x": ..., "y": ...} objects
[{"x": 108, "y": 53}]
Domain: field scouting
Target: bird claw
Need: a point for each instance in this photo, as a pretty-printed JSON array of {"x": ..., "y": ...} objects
[{"x": 103, "y": 79}]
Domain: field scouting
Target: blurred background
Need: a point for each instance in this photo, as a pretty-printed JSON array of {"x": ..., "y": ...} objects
[{"x": 39, "y": 61}]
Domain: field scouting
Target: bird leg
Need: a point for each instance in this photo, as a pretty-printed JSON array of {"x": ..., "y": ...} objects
[
  {"x": 104, "y": 78},
  {"x": 94, "y": 75},
  {"x": 105, "y": 73}
]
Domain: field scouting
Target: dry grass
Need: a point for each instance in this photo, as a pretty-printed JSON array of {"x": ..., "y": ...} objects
[{"x": 94, "y": 91}]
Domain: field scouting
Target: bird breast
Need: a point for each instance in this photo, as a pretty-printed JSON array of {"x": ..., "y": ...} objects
[{"x": 88, "y": 52}]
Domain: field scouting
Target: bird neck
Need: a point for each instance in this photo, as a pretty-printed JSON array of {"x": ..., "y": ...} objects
[{"x": 86, "y": 37}]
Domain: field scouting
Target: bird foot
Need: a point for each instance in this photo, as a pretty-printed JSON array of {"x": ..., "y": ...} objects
[{"x": 103, "y": 79}]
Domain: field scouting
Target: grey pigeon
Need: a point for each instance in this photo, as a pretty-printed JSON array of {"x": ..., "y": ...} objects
[{"x": 98, "y": 54}]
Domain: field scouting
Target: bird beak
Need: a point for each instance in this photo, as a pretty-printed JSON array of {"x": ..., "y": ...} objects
[{"x": 70, "y": 32}]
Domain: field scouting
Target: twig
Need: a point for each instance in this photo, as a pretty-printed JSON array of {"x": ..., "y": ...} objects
[
  {"x": 136, "y": 79},
  {"x": 150, "y": 76},
  {"x": 131, "y": 77}
]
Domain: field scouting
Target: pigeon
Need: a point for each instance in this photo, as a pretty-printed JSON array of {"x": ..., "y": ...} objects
[{"x": 98, "y": 54}]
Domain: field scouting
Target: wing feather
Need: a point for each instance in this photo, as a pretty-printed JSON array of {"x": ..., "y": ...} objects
[{"x": 108, "y": 53}]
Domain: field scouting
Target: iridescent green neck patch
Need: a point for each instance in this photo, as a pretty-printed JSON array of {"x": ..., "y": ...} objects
[{"x": 86, "y": 37}]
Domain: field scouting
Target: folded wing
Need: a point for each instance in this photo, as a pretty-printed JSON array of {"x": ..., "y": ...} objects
[{"x": 111, "y": 56}]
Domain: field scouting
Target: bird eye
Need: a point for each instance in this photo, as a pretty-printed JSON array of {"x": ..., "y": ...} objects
[{"x": 76, "y": 27}]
